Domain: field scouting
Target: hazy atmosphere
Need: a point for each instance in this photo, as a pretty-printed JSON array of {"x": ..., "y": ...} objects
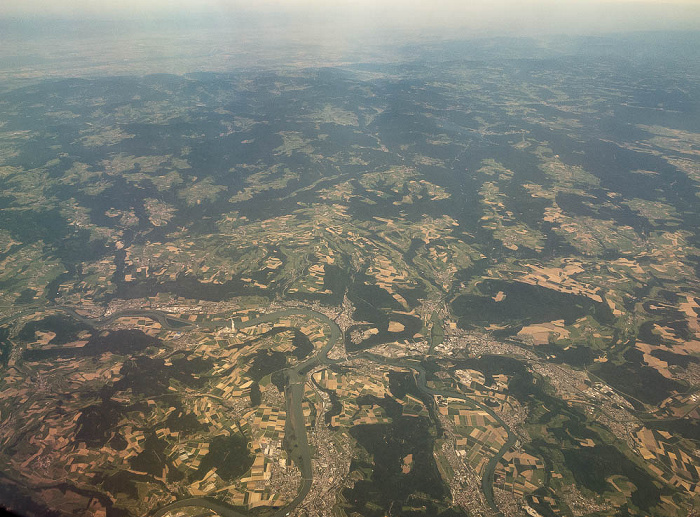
[
  {"x": 84, "y": 38},
  {"x": 350, "y": 258},
  {"x": 494, "y": 16}
]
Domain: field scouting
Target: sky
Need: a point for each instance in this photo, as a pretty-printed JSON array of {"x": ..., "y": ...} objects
[{"x": 494, "y": 16}]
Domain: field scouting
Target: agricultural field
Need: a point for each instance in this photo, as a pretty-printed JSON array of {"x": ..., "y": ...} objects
[{"x": 437, "y": 287}]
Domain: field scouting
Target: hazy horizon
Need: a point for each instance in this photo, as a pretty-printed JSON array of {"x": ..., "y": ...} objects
[
  {"x": 502, "y": 17},
  {"x": 77, "y": 39}
]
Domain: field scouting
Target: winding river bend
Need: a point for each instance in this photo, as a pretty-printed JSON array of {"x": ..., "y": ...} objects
[{"x": 294, "y": 394}]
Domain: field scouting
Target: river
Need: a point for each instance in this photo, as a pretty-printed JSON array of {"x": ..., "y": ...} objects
[{"x": 294, "y": 394}]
